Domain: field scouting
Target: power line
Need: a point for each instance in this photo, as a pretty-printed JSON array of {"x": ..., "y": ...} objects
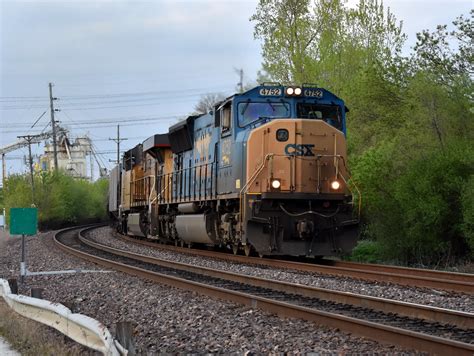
[
  {"x": 6, "y": 100},
  {"x": 94, "y": 123},
  {"x": 38, "y": 119},
  {"x": 113, "y": 95},
  {"x": 146, "y": 93},
  {"x": 23, "y": 97},
  {"x": 103, "y": 104}
]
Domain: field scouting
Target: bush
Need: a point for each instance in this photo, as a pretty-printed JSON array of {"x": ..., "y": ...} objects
[
  {"x": 367, "y": 251},
  {"x": 60, "y": 199},
  {"x": 467, "y": 202},
  {"x": 421, "y": 211}
]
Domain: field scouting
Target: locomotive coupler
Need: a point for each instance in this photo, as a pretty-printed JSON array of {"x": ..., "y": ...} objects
[{"x": 305, "y": 228}]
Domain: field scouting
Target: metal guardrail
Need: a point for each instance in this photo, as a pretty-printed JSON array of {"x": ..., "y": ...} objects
[{"x": 81, "y": 328}]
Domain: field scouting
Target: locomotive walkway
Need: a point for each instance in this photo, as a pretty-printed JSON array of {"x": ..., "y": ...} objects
[{"x": 345, "y": 311}]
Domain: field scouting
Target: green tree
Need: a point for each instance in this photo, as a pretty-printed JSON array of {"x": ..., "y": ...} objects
[
  {"x": 411, "y": 124},
  {"x": 285, "y": 26},
  {"x": 434, "y": 50},
  {"x": 324, "y": 42},
  {"x": 60, "y": 199}
]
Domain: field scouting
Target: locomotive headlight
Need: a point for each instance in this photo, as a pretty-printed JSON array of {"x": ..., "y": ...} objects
[
  {"x": 335, "y": 185},
  {"x": 298, "y": 91},
  {"x": 290, "y": 91},
  {"x": 276, "y": 184}
]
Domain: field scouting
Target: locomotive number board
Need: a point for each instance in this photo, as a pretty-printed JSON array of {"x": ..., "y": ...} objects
[
  {"x": 314, "y": 93},
  {"x": 270, "y": 92}
]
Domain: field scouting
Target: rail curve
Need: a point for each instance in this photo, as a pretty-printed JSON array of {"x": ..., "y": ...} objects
[
  {"x": 372, "y": 330},
  {"x": 414, "y": 277}
]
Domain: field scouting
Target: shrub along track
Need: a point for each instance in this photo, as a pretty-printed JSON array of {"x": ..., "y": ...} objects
[
  {"x": 450, "y": 333},
  {"x": 414, "y": 277}
]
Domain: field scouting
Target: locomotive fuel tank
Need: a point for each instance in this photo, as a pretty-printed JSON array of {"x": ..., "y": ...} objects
[
  {"x": 196, "y": 228},
  {"x": 135, "y": 225}
]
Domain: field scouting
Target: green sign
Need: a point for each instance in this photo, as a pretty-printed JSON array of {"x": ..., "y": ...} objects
[{"x": 23, "y": 221}]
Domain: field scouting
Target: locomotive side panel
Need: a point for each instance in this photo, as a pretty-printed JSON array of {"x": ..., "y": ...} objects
[
  {"x": 126, "y": 181},
  {"x": 114, "y": 190}
]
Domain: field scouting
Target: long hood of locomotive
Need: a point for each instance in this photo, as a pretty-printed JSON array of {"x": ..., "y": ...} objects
[{"x": 312, "y": 157}]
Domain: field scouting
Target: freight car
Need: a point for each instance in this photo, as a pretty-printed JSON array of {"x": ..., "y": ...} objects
[{"x": 265, "y": 170}]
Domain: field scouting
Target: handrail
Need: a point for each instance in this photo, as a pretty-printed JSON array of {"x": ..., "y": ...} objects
[
  {"x": 250, "y": 181},
  {"x": 81, "y": 328},
  {"x": 336, "y": 157},
  {"x": 201, "y": 171}
]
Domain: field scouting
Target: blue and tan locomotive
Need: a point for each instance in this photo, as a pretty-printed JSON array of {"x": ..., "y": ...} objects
[{"x": 265, "y": 170}]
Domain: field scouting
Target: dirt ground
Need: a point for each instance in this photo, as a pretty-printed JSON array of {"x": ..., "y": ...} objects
[
  {"x": 5, "y": 237},
  {"x": 30, "y": 337}
]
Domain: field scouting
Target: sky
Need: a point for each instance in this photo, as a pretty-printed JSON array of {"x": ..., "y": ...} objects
[{"x": 140, "y": 64}]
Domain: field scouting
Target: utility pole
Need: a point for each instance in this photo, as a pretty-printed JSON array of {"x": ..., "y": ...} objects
[
  {"x": 29, "y": 138},
  {"x": 117, "y": 140},
  {"x": 91, "y": 153},
  {"x": 53, "y": 126},
  {"x": 4, "y": 169},
  {"x": 92, "y": 165},
  {"x": 241, "y": 83}
]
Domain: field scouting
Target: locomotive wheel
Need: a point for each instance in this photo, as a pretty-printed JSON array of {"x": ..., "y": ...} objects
[
  {"x": 235, "y": 248},
  {"x": 247, "y": 250}
]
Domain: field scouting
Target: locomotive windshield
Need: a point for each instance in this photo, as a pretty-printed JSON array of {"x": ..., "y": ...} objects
[
  {"x": 329, "y": 113},
  {"x": 250, "y": 111}
]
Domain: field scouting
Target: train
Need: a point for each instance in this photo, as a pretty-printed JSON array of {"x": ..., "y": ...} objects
[{"x": 264, "y": 171}]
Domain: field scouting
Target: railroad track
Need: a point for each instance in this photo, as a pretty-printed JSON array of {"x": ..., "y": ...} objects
[
  {"x": 434, "y": 330},
  {"x": 457, "y": 282}
]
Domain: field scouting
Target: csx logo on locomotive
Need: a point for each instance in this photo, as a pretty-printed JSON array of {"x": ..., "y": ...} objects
[{"x": 293, "y": 149}]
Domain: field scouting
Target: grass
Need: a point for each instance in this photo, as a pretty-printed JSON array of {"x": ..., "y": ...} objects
[{"x": 31, "y": 338}]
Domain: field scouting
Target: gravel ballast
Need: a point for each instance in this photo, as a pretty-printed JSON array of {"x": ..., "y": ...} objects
[
  {"x": 437, "y": 298},
  {"x": 168, "y": 319}
]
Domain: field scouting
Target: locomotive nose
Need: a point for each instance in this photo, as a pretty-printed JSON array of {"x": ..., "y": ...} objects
[
  {"x": 303, "y": 156},
  {"x": 298, "y": 202}
]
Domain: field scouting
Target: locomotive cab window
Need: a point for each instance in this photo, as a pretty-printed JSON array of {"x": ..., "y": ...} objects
[
  {"x": 226, "y": 118},
  {"x": 328, "y": 113},
  {"x": 250, "y": 112}
]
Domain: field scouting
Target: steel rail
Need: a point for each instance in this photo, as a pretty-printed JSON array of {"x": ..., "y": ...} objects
[
  {"x": 418, "y": 272},
  {"x": 374, "y": 331},
  {"x": 442, "y": 281},
  {"x": 444, "y": 316}
]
